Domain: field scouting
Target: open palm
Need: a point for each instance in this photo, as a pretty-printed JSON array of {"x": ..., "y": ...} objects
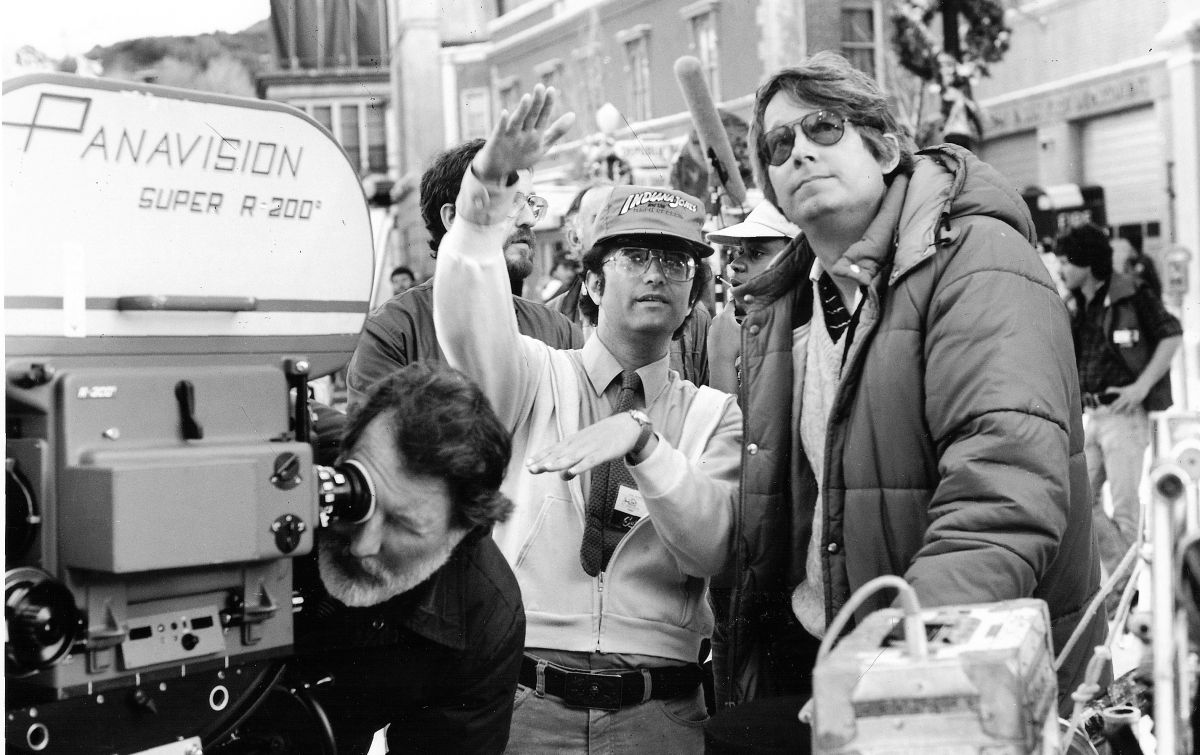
[{"x": 522, "y": 138}]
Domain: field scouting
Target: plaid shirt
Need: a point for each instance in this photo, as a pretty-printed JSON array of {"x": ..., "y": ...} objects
[{"x": 1099, "y": 365}]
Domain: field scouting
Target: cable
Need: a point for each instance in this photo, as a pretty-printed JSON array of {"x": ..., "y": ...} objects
[
  {"x": 1097, "y": 601},
  {"x": 1086, "y": 691},
  {"x": 1124, "y": 607},
  {"x": 914, "y": 628}
]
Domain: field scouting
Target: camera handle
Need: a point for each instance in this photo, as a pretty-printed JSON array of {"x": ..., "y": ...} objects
[{"x": 297, "y": 377}]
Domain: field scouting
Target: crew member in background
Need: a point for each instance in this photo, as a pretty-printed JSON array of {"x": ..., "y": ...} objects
[
  {"x": 400, "y": 331},
  {"x": 416, "y": 617},
  {"x": 1129, "y": 259},
  {"x": 756, "y": 243},
  {"x": 689, "y": 355},
  {"x": 912, "y": 407},
  {"x": 402, "y": 279},
  {"x": 624, "y": 505},
  {"x": 577, "y": 223},
  {"x": 563, "y": 272},
  {"x": 1124, "y": 343}
]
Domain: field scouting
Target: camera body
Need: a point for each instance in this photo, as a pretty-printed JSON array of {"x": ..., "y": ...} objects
[{"x": 178, "y": 266}]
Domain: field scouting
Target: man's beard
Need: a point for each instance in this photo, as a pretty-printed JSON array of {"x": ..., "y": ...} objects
[
  {"x": 520, "y": 266},
  {"x": 366, "y": 581}
]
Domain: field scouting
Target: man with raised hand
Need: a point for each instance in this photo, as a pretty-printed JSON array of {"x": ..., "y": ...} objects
[
  {"x": 624, "y": 502},
  {"x": 400, "y": 331}
]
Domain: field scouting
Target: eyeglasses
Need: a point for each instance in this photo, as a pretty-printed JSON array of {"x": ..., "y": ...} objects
[
  {"x": 823, "y": 127},
  {"x": 537, "y": 205},
  {"x": 635, "y": 260}
]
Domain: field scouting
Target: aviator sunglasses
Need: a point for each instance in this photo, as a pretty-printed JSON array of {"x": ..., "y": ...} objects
[
  {"x": 823, "y": 127},
  {"x": 635, "y": 260}
]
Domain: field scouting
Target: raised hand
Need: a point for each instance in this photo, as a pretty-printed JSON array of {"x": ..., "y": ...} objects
[
  {"x": 522, "y": 138},
  {"x": 610, "y": 438}
]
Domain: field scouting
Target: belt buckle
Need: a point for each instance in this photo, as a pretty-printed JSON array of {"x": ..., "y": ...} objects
[{"x": 600, "y": 691}]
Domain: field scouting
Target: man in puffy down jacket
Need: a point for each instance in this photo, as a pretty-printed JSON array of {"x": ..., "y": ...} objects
[{"x": 910, "y": 393}]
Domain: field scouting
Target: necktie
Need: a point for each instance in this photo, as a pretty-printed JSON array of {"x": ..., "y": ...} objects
[
  {"x": 600, "y": 540},
  {"x": 837, "y": 317}
]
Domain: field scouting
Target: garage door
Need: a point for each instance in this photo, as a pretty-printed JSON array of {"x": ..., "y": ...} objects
[
  {"x": 1015, "y": 156},
  {"x": 1125, "y": 153}
]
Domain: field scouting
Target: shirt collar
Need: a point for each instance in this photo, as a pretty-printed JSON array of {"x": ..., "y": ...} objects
[
  {"x": 438, "y": 608},
  {"x": 602, "y": 368},
  {"x": 815, "y": 272}
]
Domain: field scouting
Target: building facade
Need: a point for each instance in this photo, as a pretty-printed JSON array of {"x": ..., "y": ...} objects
[
  {"x": 332, "y": 61},
  {"x": 613, "y": 64},
  {"x": 1104, "y": 95}
]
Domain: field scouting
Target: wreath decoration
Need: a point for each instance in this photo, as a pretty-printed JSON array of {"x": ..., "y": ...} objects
[{"x": 984, "y": 39}]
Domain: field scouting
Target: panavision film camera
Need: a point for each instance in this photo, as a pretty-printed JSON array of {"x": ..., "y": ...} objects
[{"x": 177, "y": 267}]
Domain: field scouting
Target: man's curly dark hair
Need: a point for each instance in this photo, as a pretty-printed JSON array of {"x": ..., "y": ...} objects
[
  {"x": 440, "y": 184},
  {"x": 442, "y": 426},
  {"x": 1087, "y": 246}
]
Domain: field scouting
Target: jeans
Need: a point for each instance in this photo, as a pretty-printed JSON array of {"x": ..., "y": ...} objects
[
  {"x": 547, "y": 725},
  {"x": 1115, "y": 446}
]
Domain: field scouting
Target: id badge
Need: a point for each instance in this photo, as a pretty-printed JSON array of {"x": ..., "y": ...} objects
[
  {"x": 628, "y": 510},
  {"x": 1126, "y": 337}
]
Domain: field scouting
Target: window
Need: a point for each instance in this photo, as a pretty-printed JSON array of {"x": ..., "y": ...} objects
[
  {"x": 355, "y": 125},
  {"x": 637, "y": 69},
  {"x": 474, "y": 118},
  {"x": 509, "y": 89},
  {"x": 858, "y": 37},
  {"x": 349, "y": 136},
  {"x": 550, "y": 72},
  {"x": 323, "y": 114},
  {"x": 702, "y": 16},
  {"x": 376, "y": 138}
]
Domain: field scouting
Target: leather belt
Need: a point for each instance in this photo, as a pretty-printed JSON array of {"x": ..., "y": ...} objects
[{"x": 608, "y": 690}]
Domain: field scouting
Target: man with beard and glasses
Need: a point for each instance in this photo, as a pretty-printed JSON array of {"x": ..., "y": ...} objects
[
  {"x": 400, "y": 331},
  {"x": 416, "y": 623}
]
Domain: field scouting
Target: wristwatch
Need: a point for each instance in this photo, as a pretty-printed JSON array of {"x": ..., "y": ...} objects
[{"x": 643, "y": 421}]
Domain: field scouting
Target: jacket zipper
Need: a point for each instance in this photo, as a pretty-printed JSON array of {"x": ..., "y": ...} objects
[
  {"x": 600, "y": 582},
  {"x": 600, "y": 618}
]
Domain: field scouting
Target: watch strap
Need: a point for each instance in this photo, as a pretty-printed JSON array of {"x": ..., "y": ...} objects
[{"x": 643, "y": 437}]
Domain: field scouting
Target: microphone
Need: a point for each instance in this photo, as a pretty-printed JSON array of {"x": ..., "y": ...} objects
[{"x": 713, "y": 138}]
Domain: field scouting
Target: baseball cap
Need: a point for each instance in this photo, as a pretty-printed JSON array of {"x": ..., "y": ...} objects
[
  {"x": 676, "y": 218},
  {"x": 764, "y": 222}
]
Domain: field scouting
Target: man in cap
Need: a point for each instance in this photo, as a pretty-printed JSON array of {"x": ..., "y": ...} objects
[
  {"x": 689, "y": 356},
  {"x": 756, "y": 242},
  {"x": 1124, "y": 343},
  {"x": 624, "y": 502}
]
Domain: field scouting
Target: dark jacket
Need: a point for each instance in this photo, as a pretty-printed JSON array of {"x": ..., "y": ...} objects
[
  {"x": 438, "y": 663},
  {"x": 1127, "y": 305},
  {"x": 954, "y": 454},
  {"x": 400, "y": 331}
]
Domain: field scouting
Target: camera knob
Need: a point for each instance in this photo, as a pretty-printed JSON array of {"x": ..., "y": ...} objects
[
  {"x": 286, "y": 471},
  {"x": 288, "y": 530}
]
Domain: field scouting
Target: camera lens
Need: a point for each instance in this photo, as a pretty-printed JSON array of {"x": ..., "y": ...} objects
[{"x": 345, "y": 493}]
